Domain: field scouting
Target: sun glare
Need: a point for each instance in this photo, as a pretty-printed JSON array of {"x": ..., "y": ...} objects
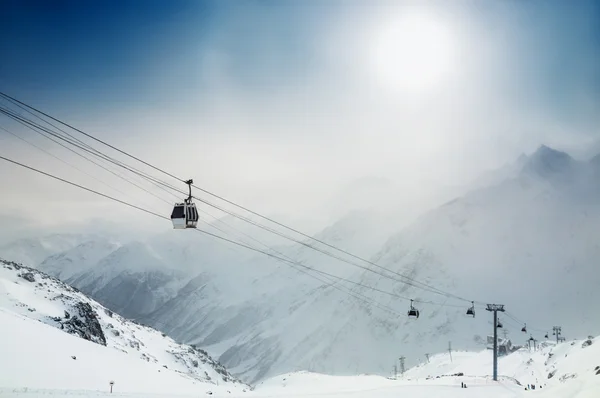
[{"x": 413, "y": 52}]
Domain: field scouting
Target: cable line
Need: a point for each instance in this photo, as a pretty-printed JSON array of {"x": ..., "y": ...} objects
[
  {"x": 248, "y": 247},
  {"x": 43, "y": 131},
  {"x": 60, "y": 160},
  {"x": 520, "y": 322},
  {"x": 84, "y": 188},
  {"x": 412, "y": 282},
  {"x": 405, "y": 280}
]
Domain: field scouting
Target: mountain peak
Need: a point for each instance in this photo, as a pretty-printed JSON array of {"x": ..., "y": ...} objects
[
  {"x": 546, "y": 160},
  {"x": 547, "y": 152}
]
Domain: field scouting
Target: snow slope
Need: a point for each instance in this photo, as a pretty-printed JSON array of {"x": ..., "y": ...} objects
[
  {"x": 528, "y": 241},
  {"x": 570, "y": 369},
  {"x": 567, "y": 370},
  {"x": 515, "y": 243},
  {"x": 53, "y": 336}
]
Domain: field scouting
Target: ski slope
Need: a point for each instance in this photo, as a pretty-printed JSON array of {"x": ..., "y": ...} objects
[
  {"x": 36, "y": 356},
  {"x": 574, "y": 365},
  {"x": 37, "y": 362},
  {"x": 54, "y": 337}
]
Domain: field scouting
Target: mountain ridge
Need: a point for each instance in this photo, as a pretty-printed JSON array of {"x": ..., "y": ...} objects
[
  {"x": 29, "y": 293},
  {"x": 515, "y": 241}
]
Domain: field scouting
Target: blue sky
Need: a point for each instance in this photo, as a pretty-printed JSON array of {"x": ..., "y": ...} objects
[
  {"x": 126, "y": 49},
  {"x": 258, "y": 98},
  {"x": 78, "y": 49},
  {"x": 132, "y": 51}
]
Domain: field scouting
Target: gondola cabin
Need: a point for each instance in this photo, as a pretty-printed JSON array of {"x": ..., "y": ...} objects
[
  {"x": 412, "y": 311},
  {"x": 184, "y": 215},
  {"x": 471, "y": 310}
]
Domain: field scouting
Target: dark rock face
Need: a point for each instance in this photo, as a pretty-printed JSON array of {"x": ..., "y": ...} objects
[
  {"x": 28, "y": 276},
  {"x": 586, "y": 343},
  {"x": 83, "y": 323}
]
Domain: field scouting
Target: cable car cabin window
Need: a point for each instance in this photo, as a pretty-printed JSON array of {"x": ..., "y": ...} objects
[
  {"x": 194, "y": 214},
  {"x": 178, "y": 212},
  {"x": 189, "y": 213}
]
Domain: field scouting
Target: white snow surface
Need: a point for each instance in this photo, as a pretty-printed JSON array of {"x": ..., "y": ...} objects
[
  {"x": 40, "y": 366},
  {"x": 36, "y": 354}
]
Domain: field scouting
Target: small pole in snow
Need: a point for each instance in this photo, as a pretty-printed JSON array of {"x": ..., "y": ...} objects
[
  {"x": 112, "y": 383},
  {"x": 450, "y": 350},
  {"x": 395, "y": 372},
  {"x": 427, "y": 356}
]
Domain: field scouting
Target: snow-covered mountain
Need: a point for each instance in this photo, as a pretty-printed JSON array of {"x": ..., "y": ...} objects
[
  {"x": 515, "y": 243},
  {"x": 51, "y": 333},
  {"x": 79, "y": 259},
  {"x": 32, "y": 251},
  {"x": 528, "y": 242},
  {"x": 525, "y": 238}
]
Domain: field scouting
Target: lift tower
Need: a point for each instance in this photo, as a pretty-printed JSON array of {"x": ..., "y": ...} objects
[
  {"x": 557, "y": 330},
  {"x": 495, "y": 308}
]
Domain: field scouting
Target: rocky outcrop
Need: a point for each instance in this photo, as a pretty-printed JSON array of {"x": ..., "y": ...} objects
[{"x": 83, "y": 322}]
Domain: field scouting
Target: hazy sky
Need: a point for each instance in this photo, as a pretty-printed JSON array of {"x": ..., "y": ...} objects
[{"x": 300, "y": 109}]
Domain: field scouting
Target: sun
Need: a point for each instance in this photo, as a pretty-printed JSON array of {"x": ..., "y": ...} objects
[{"x": 412, "y": 52}]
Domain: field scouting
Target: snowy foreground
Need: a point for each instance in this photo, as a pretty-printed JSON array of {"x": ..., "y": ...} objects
[
  {"x": 40, "y": 366},
  {"x": 39, "y": 359},
  {"x": 54, "y": 337}
]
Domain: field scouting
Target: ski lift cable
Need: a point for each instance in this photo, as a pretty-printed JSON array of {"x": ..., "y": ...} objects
[
  {"x": 25, "y": 109},
  {"x": 199, "y": 230},
  {"x": 328, "y": 281},
  {"x": 70, "y": 136},
  {"x": 252, "y": 238},
  {"x": 519, "y": 324},
  {"x": 43, "y": 131},
  {"x": 441, "y": 292},
  {"x": 282, "y": 257},
  {"x": 410, "y": 281},
  {"x": 325, "y": 252},
  {"x": 56, "y": 157},
  {"x": 513, "y": 317},
  {"x": 77, "y": 168},
  {"x": 36, "y": 126},
  {"x": 61, "y": 160},
  {"x": 83, "y": 187},
  {"x": 313, "y": 269},
  {"x": 87, "y": 148}
]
